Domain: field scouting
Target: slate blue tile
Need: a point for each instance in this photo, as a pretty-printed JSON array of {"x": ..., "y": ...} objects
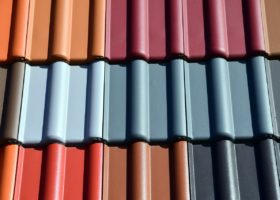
[
  {"x": 228, "y": 99},
  {"x": 145, "y": 101}
]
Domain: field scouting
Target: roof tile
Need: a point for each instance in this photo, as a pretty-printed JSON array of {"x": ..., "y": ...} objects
[
  {"x": 62, "y": 103},
  {"x": 153, "y": 102},
  {"x": 141, "y": 171},
  {"x": 271, "y": 26},
  {"x": 58, "y": 172},
  {"x": 76, "y": 31},
  {"x": 224, "y": 170},
  {"x": 195, "y": 29}
]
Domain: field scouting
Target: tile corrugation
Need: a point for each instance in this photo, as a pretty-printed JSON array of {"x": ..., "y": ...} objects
[
  {"x": 144, "y": 101},
  {"x": 62, "y": 103},
  {"x": 196, "y": 29},
  {"x": 70, "y": 30},
  {"x": 148, "y": 101},
  {"x": 52, "y": 30},
  {"x": 8, "y": 165},
  {"x": 224, "y": 170},
  {"x": 59, "y": 172},
  {"x": 273, "y": 70},
  {"x": 78, "y": 30},
  {"x": 270, "y": 16},
  {"x": 12, "y": 101},
  {"x": 228, "y": 99},
  {"x": 153, "y": 102},
  {"x": 220, "y": 170},
  {"x": 141, "y": 171},
  {"x": 13, "y": 28}
]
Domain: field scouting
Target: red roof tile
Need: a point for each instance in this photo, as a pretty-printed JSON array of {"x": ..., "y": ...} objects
[{"x": 59, "y": 172}]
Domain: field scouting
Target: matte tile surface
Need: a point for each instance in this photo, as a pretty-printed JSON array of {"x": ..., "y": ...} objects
[
  {"x": 273, "y": 72},
  {"x": 81, "y": 30},
  {"x": 224, "y": 170},
  {"x": 141, "y": 171},
  {"x": 179, "y": 170},
  {"x": 153, "y": 102},
  {"x": 193, "y": 28},
  {"x": 12, "y": 101},
  {"x": 228, "y": 99},
  {"x": 8, "y": 164},
  {"x": 66, "y": 30},
  {"x": 62, "y": 103},
  {"x": 270, "y": 16},
  {"x": 59, "y": 172},
  {"x": 144, "y": 101},
  {"x": 215, "y": 99},
  {"x": 13, "y": 28},
  {"x": 36, "y": 30}
]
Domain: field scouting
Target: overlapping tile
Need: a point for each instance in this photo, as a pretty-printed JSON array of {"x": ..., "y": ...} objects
[
  {"x": 89, "y": 172},
  {"x": 228, "y": 99},
  {"x": 141, "y": 171},
  {"x": 273, "y": 72},
  {"x": 66, "y": 30},
  {"x": 220, "y": 99},
  {"x": 8, "y": 168},
  {"x": 13, "y": 28},
  {"x": 153, "y": 102},
  {"x": 223, "y": 99},
  {"x": 144, "y": 101},
  {"x": 62, "y": 103},
  {"x": 224, "y": 170},
  {"x": 52, "y": 30},
  {"x": 78, "y": 31},
  {"x": 59, "y": 172},
  {"x": 220, "y": 170},
  {"x": 193, "y": 28}
]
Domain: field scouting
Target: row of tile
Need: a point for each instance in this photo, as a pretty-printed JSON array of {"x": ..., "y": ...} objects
[
  {"x": 222, "y": 170},
  {"x": 152, "y": 102},
  {"x": 80, "y": 30}
]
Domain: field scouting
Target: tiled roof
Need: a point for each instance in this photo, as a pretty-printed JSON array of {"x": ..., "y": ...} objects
[
  {"x": 193, "y": 28},
  {"x": 62, "y": 103},
  {"x": 139, "y": 99},
  {"x": 221, "y": 170},
  {"x": 48, "y": 30},
  {"x": 81, "y": 30},
  {"x": 154, "y": 102},
  {"x": 224, "y": 170},
  {"x": 59, "y": 172},
  {"x": 215, "y": 99}
]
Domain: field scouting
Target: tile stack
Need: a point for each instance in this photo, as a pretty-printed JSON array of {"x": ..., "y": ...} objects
[{"x": 140, "y": 99}]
